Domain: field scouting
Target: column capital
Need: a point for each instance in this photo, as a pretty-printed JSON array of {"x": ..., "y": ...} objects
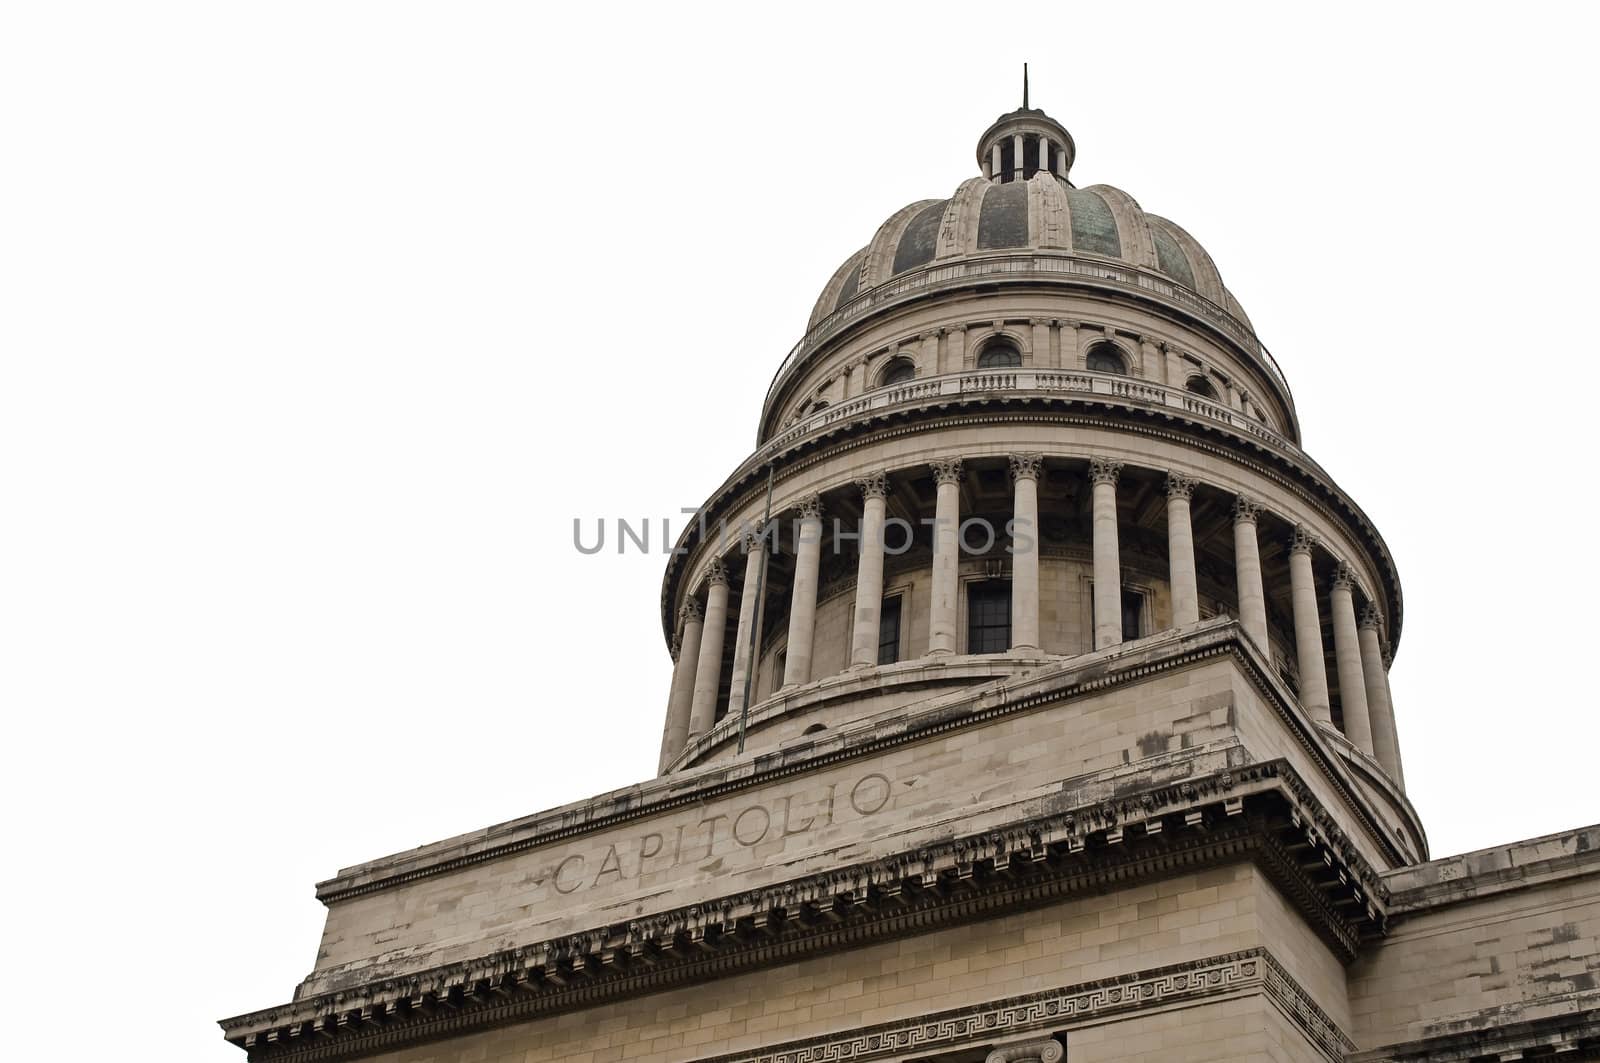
[
  {"x": 716, "y": 573},
  {"x": 1371, "y": 617},
  {"x": 1044, "y": 1050},
  {"x": 676, "y": 646},
  {"x": 1104, "y": 471},
  {"x": 946, "y": 470},
  {"x": 1344, "y": 575},
  {"x": 1388, "y": 656},
  {"x": 1301, "y": 540},
  {"x": 1180, "y": 486},
  {"x": 1069, "y": 322},
  {"x": 874, "y": 485},
  {"x": 810, "y": 507},
  {"x": 1036, "y": 321},
  {"x": 1245, "y": 509},
  {"x": 1025, "y": 466},
  {"x": 690, "y": 611},
  {"x": 753, "y": 540}
]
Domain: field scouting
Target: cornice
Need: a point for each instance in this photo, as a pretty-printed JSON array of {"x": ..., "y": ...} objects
[
  {"x": 1570, "y": 1031},
  {"x": 1251, "y": 812}
]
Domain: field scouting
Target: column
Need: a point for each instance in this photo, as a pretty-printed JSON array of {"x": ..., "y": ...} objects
[
  {"x": 946, "y": 559},
  {"x": 1041, "y": 343},
  {"x": 1044, "y": 1050},
  {"x": 1247, "y": 570},
  {"x": 1071, "y": 353},
  {"x": 1155, "y": 364},
  {"x": 1174, "y": 362},
  {"x": 1016, "y": 157},
  {"x": 1044, "y": 154},
  {"x": 1180, "y": 552},
  {"x": 994, "y": 152},
  {"x": 1308, "y": 628},
  {"x": 1107, "y": 559},
  {"x": 755, "y": 560},
  {"x": 1025, "y": 551},
  {"x": 954, "y": 359},
  {"x": 869, "y": 571},
  {"x": 684, "y": 659},
  {"x": 1385, "y": 740},
  {"x": 1347, "y": 659},
  {"x": 708, "y": 667},
  {"x": 803, "y": 602}
]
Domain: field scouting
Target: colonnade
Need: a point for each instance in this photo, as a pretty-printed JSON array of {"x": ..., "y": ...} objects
[{"x": 1359, "y": 655}]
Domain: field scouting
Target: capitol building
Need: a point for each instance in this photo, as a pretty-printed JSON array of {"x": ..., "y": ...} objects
[{"x": 1030, "y": 703}]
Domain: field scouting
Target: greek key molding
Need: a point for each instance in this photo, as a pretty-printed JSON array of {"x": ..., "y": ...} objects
[{"x": 1189, "y": 983}]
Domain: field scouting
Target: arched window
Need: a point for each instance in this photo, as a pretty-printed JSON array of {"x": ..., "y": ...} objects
[
  {"x": 1000, "y": 354},
  {"x": 1202, "y": 387},
  {"x": 898, "y": 371},
  {"x": 1105, "y": 358}
]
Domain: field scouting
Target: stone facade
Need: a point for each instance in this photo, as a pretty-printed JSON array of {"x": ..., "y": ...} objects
[{"x": 1041, "y": 714}]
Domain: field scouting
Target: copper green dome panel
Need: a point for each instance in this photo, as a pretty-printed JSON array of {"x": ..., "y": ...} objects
[
  {"x": 1094, "y": 228},
  {"x": 1003, "y": 221},
  {"x": 920, "y": 239},
  {"x": 1170, "y": 258},
  {"x": 852, "y": 278}
]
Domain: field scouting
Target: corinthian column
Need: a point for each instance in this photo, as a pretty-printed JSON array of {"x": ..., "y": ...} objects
[
  {"x": 1347, "y": 660},
  {"x": 708, "y": 669},
  {"x": 1308, "y": 628},
  {"x": 1385, "y": 740},
  {"x": 946, "y": 559},
  {"x": 1025, "y": 558},
  {"x": 803, "y": 602},
  {"x": 1180, "y": 552},
  {"x": 1107, "y": 558},
  {"x": 1247, "y": 569},
  {"x": 755, "y": 559},
  {"x": 869, "y": 571},
  {"x": 686, "y": 651}
]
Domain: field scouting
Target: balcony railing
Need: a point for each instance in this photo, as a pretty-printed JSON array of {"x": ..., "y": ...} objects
[
  {"x": 1097, "y": 271},
  {"x": 1020, "y": 382}
]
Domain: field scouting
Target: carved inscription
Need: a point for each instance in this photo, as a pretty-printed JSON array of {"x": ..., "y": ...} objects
[{"x": 775, "y": 820}]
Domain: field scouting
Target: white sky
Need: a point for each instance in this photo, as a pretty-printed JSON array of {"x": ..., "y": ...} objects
[{"x": 322, "y": 321}]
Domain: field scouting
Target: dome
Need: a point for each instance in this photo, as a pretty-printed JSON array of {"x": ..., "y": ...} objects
[{"x": 1042, "y": 212}]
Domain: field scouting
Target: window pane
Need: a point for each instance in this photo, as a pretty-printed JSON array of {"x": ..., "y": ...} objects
[
  {"x": 889, "y": 631},
  {"x": 1132, "y": 607},
  {"x": 989, "y": 617}
]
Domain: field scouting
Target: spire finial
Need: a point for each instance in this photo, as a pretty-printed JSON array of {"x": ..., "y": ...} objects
[{"x": 1024, "y": 86}]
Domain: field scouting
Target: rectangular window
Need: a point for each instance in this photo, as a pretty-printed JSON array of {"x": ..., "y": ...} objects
[
  {"x": 1132, "y": 612},
  {"x": 989, "y": 617},
  {"x": 889, "y": 631}
]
